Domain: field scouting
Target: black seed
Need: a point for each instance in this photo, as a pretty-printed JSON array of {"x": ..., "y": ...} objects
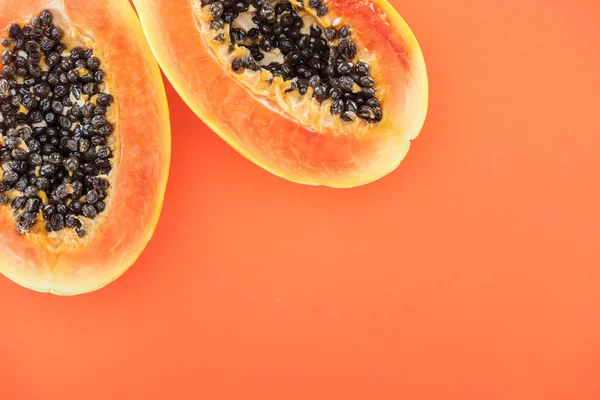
[
  {"x": 345, "y": 68},
  {"x": 294, "y": 34},
  {"x": 36, "y": 116},
  {"x": 330, "y": 33},
  {"x": 50, "y": 118},
  {"x": 12, "y": 142},
  {"x": 267, "y": 12},
  {"x": 314, "y": 81},
  {"x": 322, "y": 10},
  {"x": 368, "y": 92},
  {"x": 57, "y": 221},
  {"x": 60, "y": 91},
  {"x": 76, "y": 53},
  {"x": 7, "y": 57},
  {"x": 348, "y": 116},
  {"x": 31, "y": 46},
  {"x": 303, "y": 42},
  {"x": 377, "y": 115},
  {"x": 287, "y": 20},
  {"x": 294, "y": 58},
  {"x": 89, "y": 169},
  {"x": 330, "y": 71},
  {"x": 76, "y": 207},
  {"x": 103, "y": 152},
  {"x": 76, "y": 89},
  {"x": 100, "y": 184},
  {"x": 100, "y": 110},
  {"x": 80, "y": 231},
  {"x": 351, "y": 105},
  {"x": 21, "y": 185},
  {"x": 252, "y": 33},
  {"x": 14, "y": 31},
  {"x": 100, "y": 206},
  {"x": 19, "y": 202},
  {"x": 98, "y": 140},
  {"x": 64, "y": 122},
  {"x": 266, "y": 44},
  {"x": 217, "y": 24},
  {"x": 229, "y": 15},
  {"x": 45, "y": 18},
  {"x": 315, "y": 3},
  {"x": 48, "y": 170},
  {"x": 99, "y": 76},
  {"x": 335, "y": 93},
  {"x": 90, "y": 88},
  {"x": 366, "y": 81},
  {"x": 240, "y": 6},
  {"x": 29, "y": 101},
  {"x": 62, "y": 209},
  {"x": 33, "y": 205},
  {"x": 3, "y": 199},
  {"x": 87, "y": 77},
  {"x": 24, "y": 225},
  {"x": 71, "y": 164},
  {"x": 104, "y": 99},
  {"x": 35, "y": 71},
  {"x": 346, "y": 83},
  {"x": 73, "y": 75},
  {"x": 19, "y": 167},
  {"x": 34, "y": 146},
  {"x": 19, "y": 154},
  {"x": 236, "y": 64},
  {"x": 77, "y": 187},
  {"x": 89, "y": 211},
  {"x": 91, "y": 196},
  {"x": 98, "y": 121},
  {"x": 42, "y": 183},
  {"x": 35, "y": 160},
  {"x": 344, "y": 31},
  {"x": 315, "y": 31},
  {"x": 8, "y": 70},
  {"x": 350, "y": 52},
  {"x": 72, "y": 222},
  {"x": 365, "y": 112},
  {"x": 216, "y": 9},
  {"x": 31, "y": 191},
  {"x": 44, "y": 105}
]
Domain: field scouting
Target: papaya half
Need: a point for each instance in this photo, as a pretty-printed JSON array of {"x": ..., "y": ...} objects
[
  {"x": 323, "y": 92},
  {"x": 84, "y": 143}
]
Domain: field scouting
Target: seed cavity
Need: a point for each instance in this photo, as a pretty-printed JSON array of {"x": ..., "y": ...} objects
[
  {"x": 317, "y": 59},
  {"x": 55, "y": 138}
]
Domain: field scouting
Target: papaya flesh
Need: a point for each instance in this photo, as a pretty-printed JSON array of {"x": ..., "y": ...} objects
[
  {"x": 283, "y": 122},
  {"x": 84, "y": 144}
]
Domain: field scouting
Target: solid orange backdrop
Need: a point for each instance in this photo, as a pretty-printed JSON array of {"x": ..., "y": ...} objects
[{"x": 471, "y": 272}]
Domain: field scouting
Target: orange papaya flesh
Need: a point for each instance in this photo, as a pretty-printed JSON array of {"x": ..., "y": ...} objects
[
  {"x": 292, "y": 135},
  {"x": 84, "y": 249}
]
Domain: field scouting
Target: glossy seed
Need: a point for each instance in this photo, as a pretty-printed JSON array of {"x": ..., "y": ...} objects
[
  {"x": 337, "y": 107},
  {"x": 89, "y": 211}
]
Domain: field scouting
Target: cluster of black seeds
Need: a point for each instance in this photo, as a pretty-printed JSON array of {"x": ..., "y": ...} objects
[
  {"x": 324, "y": 59},
  {"x": 54, "y": 144}
]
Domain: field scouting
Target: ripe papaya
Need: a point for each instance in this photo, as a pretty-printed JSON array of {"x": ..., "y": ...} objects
[
  {"x": 84, "y": 143},
  {"x": 324, "y": 92}
]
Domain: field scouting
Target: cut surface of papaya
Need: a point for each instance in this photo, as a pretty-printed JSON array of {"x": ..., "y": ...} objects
[
  {"x": 84, "y": 143},
  {"x": 324, "y": 92}
]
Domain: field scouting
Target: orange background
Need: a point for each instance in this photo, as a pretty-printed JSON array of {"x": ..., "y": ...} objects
[{"x": 471, "y": 272}]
